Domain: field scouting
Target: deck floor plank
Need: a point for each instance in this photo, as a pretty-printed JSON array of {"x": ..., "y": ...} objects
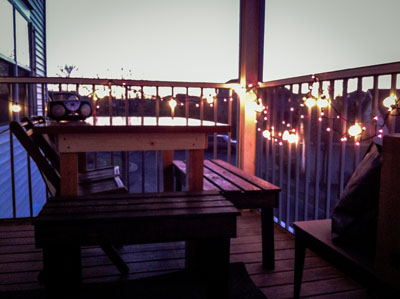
[{"x": 20, "y": 262}]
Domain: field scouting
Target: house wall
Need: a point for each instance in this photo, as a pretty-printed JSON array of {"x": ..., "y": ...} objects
[{"x": 23, "y": 34}]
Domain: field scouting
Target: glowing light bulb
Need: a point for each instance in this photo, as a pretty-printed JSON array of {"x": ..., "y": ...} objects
[
  {"x": 172, "y": 103},
  {"x": 267, "y": 134},
  {"x": 322, "y": 103},
  {"x": 210, "y": 99},
  {"x": 285, "y": 135},
  {"x": 355, "y": 130},
  {"x": 310, "y": 102},
  {"x": 293, "y": 138},
  {"x": 15, "y": 108},
  {"x": 389, "y": 102}
]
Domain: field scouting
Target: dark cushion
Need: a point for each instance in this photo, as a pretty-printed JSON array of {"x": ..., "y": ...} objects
[{"x": 354, "y": 218}]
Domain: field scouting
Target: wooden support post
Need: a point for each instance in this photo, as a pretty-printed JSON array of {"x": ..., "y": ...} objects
[
  {"x": 251, "y": 60},
  {"x": 195, "y": 170},
  {"x": 69, "y": 174}
]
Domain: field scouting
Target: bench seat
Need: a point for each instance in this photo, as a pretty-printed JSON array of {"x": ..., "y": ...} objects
[
  {"x": 206, "y": 220},
  {"x": 245, "y": 191}
]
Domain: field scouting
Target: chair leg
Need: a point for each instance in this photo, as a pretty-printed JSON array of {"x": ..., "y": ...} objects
[
  {"x": 115, "y": 258},
  {"x": 300, "y": 252}
]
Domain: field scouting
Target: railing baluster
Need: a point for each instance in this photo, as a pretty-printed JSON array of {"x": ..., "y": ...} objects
[
  {"x": 317, "y": 166},
  {"x": 158, "y": 153},
  {"x": 12, "y": 168},
  {"x": 43, "y": 101},
  {"x": 344, "y": 144},
  {"x": 281, "y": 101},
  {"x": 330, "y": 151},
  {"x": 307, "y": 149},
  {"x": 268, "y": 127},
  {"x": 215, "y": 149},
  {"x": 274, "y": 127},
  {"x": 358, "y": 119},
  {"x": 126, "y": 105},
  {"x": 110, "y": 109},
  {"x": 28, "y": 161},
  {"x": 393, "y": 115},
  {"x": 375, "y": 104},
  {"x": 157, "y": 105},
  {"x": 298, "y": 160},
  {"x": 187, "y": 106},
  {"x": 230, "y": 99},
  {"x": 142, "y": 104},
  {"x": 201, "y": 106},
  {"x": 289, "y": 166}
]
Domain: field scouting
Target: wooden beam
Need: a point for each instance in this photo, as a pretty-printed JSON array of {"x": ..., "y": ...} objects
[
  {"x": 251, "y": 45},
  {"x": 72, "y": 143}
]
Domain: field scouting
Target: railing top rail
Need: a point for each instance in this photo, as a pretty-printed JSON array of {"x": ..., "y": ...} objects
[
  {"x": 121, "y": 82},
  {"x": 366, "y": 71}
]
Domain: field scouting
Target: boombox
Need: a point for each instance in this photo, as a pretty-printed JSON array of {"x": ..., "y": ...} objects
[{"x": 65, "y": 105}]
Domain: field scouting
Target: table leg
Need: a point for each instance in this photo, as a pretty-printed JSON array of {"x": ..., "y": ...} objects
[
  {"x": 168, "y": 175},
  {"x": 210, "y": 260},
  {"x": 300, "y": 252},
  {"x": 195, "y": 170},
  {"x": 69, "y": 174},
  {"x": 267, "y": 238},
  {"x": 62, "y": 270}
]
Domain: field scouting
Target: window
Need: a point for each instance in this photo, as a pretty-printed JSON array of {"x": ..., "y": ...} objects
[
  {"x": 6, "y": 30},
  {"x": 22, "y": 33}
]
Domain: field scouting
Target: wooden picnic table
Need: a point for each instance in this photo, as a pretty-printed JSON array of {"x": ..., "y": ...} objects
[{"x": 107, "y": 134}]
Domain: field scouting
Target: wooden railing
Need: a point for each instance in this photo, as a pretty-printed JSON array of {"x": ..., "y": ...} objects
[
  {"x": 215, "y": 102},
  {"x": 313, "y": 171}
]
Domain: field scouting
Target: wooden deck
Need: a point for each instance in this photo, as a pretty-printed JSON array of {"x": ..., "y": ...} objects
[{"x": 20, "y": 262}]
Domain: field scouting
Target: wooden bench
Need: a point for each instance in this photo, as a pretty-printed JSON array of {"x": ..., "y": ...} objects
[
  {"x": 205, "y": 220},
  {"x": 245, "y": 191}
]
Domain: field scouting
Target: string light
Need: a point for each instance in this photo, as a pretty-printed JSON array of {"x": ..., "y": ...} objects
[
  {"x": 267, "y": 134},
  {"x": 293, "y": 138},
  {"x": 15, "y": 108},
  {"x": 210, "y": 99},
  {"x": 310, "y": 102},
  {"x": 355, "y": 130},
  {"x": 172, "y": 103},
  {"x": 322, "y": 102},
  {"x": 389, "y": 102},
  {"x": 316, "y": 96},
  {"x": 285, "y": 135}
]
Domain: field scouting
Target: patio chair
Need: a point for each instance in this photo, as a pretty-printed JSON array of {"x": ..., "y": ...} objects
[
  {"x": 47, "y": 147},
  {"x": 51, "y": 178}
]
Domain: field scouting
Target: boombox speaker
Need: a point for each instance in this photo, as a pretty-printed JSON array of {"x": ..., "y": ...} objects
[{"x": 68, "y": 106}]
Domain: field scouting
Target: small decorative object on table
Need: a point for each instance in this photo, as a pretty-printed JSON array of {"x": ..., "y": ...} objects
[{"x": 66, "y": 105}]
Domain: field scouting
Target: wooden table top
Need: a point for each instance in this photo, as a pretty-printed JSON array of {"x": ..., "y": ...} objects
[{"x": 134, "y": 124}]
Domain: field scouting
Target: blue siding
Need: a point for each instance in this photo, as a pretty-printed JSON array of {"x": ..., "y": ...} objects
[{"x": 21, "y": 181}]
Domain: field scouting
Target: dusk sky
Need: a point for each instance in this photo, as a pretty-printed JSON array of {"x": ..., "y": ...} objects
[{"x": 190, "y": 40}]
